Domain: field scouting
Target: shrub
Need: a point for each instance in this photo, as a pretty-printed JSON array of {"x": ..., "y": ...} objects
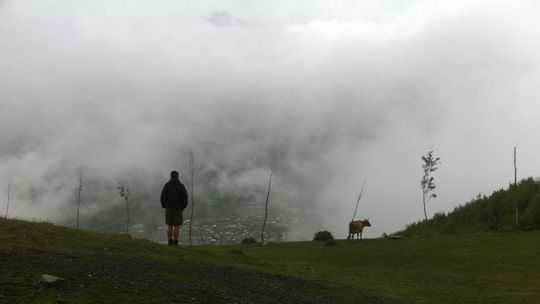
[
  {"x": 322, "y": 236},
  {"x": 248, "y": 241}
]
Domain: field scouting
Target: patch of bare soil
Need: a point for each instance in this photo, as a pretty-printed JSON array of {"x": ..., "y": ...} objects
[{"x": 119, "y": 279}]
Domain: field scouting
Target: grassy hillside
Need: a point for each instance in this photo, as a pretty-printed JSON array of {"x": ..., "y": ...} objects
[
  {"x": 103, "y": 268},
  {"x": 485, "y": 214},
  {"x": 106, "y": 268}
]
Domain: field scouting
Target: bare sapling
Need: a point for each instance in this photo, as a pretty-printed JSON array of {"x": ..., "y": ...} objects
[
  {"x": 358, "y": 200},
  {"x": 272, "y": 169},
  {"x": 79, "y": 190},
  {"x": 515, "y": 189},
  {"x": 191, "y": 170},
  {"x": 10, "y": 182},
  {"x": 124, "y": 192}
]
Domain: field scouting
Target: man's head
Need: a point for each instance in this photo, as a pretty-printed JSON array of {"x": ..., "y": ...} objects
[{"x": 174, "y": 175}]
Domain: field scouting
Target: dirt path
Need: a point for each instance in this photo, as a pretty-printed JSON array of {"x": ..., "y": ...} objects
[{"x": 120, "y": 279}]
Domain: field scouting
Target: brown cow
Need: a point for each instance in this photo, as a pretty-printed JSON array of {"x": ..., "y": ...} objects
[{"x": 356, "y": 227}]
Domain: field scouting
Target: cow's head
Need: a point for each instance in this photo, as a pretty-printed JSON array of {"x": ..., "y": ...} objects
[{"x": 367, "y": 223}]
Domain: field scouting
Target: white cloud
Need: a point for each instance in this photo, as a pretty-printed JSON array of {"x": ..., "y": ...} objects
[{"x": 339, "y": 92}]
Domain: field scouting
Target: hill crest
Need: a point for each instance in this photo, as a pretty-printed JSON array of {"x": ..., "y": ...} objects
[{"x": 495, "y": 213}]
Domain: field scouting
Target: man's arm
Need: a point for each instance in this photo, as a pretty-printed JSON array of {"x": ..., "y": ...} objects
[
  {"x": 163, "y": 196},
  {"x": 184, "y": 197}
]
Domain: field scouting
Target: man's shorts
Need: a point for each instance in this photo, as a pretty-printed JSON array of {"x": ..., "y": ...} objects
[{"x": 174, "y": 217}]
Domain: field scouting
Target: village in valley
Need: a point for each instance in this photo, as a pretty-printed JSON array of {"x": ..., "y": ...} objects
[{"x": 229, "y": 229}]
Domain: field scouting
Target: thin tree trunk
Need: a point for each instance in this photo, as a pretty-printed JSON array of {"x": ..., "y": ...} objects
[
  {"x": 8, "y": 197},
  {"x": 266, "y": 204},
  {"x": 358, "y": 200},
  {"x": 515, "y": 188},
  {"x": 127, "y": 216},
  {"x": 79, "y": 198},
  {"x": 124, "y": 193},
  {"x": 191, "y": 172},
  {"x": 424, "y": 201}
]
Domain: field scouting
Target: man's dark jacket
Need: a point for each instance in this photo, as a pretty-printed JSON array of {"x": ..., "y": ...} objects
[{"x": 174, "y": 195}]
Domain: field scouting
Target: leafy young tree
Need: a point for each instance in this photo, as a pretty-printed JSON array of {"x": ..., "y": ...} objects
[
  {"x": 429, "y": 165},
  {"x": 124, "y": 192}
]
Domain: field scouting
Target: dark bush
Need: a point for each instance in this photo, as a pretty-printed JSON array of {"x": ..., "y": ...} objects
[
  {"x": 248, "y": 241},
  {"x": 322, "y": 236}
]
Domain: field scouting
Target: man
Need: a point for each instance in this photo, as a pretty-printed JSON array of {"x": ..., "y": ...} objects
[{"x": 174, "y": 199}]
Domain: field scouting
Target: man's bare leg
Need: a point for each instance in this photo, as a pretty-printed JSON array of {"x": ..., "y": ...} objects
[
  {"x": 176, "y": 233},
  {"x": 170, "y": 234}
]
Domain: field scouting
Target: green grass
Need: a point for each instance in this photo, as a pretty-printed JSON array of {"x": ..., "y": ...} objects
[
  {"x": 468, "y": 268},
  {"x": 464, "y": 268}
]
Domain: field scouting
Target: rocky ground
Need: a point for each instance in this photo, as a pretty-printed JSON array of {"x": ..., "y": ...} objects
[{"x": 111, "y": 278}]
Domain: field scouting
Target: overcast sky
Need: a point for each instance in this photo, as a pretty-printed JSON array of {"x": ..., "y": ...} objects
[{"x": 337, "y": 91}]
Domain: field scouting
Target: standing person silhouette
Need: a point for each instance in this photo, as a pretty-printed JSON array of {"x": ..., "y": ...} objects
[{"x": 174, "y": 200}]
